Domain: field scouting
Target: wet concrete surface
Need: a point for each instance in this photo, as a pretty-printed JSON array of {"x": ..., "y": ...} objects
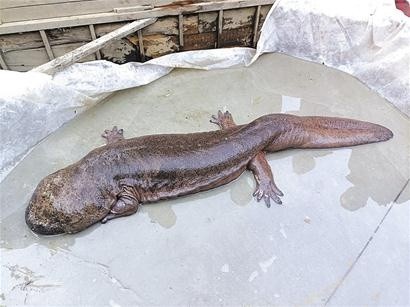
[{"x": 341, "y": 238}]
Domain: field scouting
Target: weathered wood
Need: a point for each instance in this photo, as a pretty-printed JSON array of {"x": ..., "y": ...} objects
[
  {"x": 164, "y": 25},
  {"x": 120, "y": 51},
  {"x": 92, "y": 47},
  {"x": 207, "y": 22},
  {"x": 24, "y": 60},
  {"x": 94, "y": 37},
  {"x": 27, "y": 40},
  {"x": 46, "y": 44},
  {"x": 3, "y": 64},
  {"x": 206, "y": 40},
  {"x": 71, "y": 21},
  {"x": 200, "y": 31},
  {"x": 28, "y": 57},
  {"x": 240, "y": 37},
  {"x": 220, "y": 27},
  {"x": 157, "y": 45},
  {"x": 61, "y": 50},
  {"x": 133, "y": 8},
  {"x": 141, "y": 45},
  {"x": 62, "y": 36},
  {"x": 181, "y": 29},
  {"x": 238, "y": 18},
  {"x": 256, "y": 26},
  {"x": 20, "y": 3},
  {"x": 65, "y": 9},
  {"x": 191, "y": 24}
]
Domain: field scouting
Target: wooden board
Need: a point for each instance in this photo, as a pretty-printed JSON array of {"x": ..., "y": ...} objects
[
  {"x": 22, "y": 3},
  {"x": 28, "y": 10},
  {"x": 28, "y": 40},
  {"x": 91, "y": 47},
  {"x": 99, "y": 18},
  {"x": 157, "y": 39}
]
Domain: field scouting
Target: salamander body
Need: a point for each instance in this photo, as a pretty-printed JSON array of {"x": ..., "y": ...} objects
[{"x": 113, "y": 180}]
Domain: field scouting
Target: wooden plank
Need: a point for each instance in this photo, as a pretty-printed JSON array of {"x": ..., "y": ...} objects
[
  {"x": 256, "y": 26},
  {"x": 72, "y": 21},
  {"x": 94, "y": 37},
  {"x": 133, "y": 8},
  {"x": 61, "y": 36},
  {"x": 181, "y": 29},
  {"x": 164, "y": 25},
  {"x": 27, "y": 57},
  {"x": 157, "y": 45},
  {"x": 207, "y": 22},
  {"x": 243, "y": 17},
  {"x": 220, "y": 26},
  {"x": 206, "y": 40},
  {"x": 65, "y": 9},
  {"x": 92, "y": 47},
  {"x": 20, "y": 3},
  {"x": 47, "y": 44},
  {"x": 28, "y": 40},
  {"x": 31, "y": 58},
  {"x": 141, "y": 45},
  {"x": 61, "y": 50},
  {"x": 239, "y": 37},
  {"x": 2, "y": 62},
  {"x": 191, "y": 24}
]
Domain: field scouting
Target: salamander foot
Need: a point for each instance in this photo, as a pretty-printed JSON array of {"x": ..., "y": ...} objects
[
  {"x": 113, "y": 135},
  {"x": 223, "y": 120}
]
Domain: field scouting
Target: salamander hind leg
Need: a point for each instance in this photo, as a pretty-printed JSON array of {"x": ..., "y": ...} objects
[
  {"x": 126, "y": 204},
  {"x": 265, "y": 185},
  {"x": 223, "y": 120},
  {"x": 113, "y": 135}
]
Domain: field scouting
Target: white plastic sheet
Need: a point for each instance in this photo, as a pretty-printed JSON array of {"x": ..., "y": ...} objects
[{"x": 368, "y": 39}]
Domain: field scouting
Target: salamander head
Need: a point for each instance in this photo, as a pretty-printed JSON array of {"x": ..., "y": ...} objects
[{"x": 64, "y": 202}]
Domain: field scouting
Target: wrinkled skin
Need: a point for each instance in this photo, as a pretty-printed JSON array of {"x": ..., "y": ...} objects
[{"x": 111, "y": 181}]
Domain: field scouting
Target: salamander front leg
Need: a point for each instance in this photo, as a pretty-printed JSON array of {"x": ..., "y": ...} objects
[
  {"x": 265, "y": 185},
  {"x": 223, "y": 120},
  {"x": 113, "y": 135},
  {"x": 126, "y": 204}
]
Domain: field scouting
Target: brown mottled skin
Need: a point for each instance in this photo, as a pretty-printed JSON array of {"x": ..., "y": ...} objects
[{"x": 112, "y": 180}]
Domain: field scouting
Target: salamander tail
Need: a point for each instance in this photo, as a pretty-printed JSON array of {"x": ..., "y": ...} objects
[{"x": 325, "y": 132}]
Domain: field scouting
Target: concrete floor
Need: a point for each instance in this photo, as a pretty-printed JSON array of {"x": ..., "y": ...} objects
[{"x": 342, "y": 237}]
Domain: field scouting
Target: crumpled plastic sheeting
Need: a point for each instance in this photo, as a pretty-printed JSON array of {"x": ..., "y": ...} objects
[
  {"x": 33, "y": 105},
  {"x": 368, "y": 39},
  {"x": 105, "y": 77}
]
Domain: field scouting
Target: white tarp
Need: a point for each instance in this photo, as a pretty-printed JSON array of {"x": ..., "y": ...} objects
[{"x": 368, "y": 39}]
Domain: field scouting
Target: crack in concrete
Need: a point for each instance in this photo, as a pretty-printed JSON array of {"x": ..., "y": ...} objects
[
  {"x": 29, "y": 280},
  {"x": 366, "y": 245},
  {"x": 106, "y": 270}
]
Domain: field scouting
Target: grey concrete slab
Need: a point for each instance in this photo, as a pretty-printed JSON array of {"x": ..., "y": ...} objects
[
  {"x": 384, "y": 266},
  {"x": 217, "y": 247}
]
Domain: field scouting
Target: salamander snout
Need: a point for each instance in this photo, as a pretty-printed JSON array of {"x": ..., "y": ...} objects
[
  {"x": 64, "y": 202},
  {"x": 41, "y": 215}
]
